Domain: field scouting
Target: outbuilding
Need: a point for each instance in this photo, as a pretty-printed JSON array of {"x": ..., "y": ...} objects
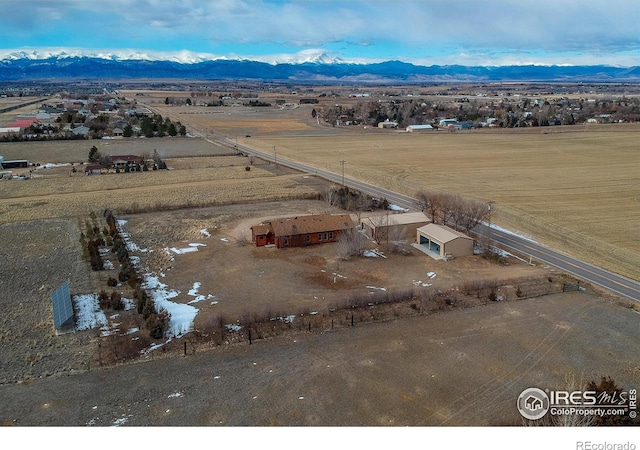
[
  {"x": 442, "y": 242},
  {"x": 414, "y": 128},
  {"x": 393, "y": 226}
]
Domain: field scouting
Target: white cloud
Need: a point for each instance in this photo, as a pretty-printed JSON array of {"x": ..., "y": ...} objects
[{"x": 410, "y": 30}]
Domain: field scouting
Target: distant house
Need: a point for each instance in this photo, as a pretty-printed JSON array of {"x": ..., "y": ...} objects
[
  {"x": 414, "y": 128},
  {"x": 82, "y": 130},
  {"x": 44, "y": 117},
  {"x": 121, "y": 161},
  {"x": 442, "y": 242},
  {"x": 387, "y": 124},
  {"x": 301, "y": 230},
  {"x": 4, "y": 131},
  {"x": 448, "y": 122},
  {"x": 93, "y": 169},
  {"x": 23, "y": 123}
]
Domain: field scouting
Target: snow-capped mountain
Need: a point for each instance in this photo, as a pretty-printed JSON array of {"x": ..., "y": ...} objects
[{"x": 307, "y": 66}]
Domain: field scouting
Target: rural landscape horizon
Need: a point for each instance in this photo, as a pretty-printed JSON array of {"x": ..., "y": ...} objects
[{"x": 278, "y": 214}]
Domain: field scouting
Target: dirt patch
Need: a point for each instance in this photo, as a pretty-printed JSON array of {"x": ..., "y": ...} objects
[
  {"x": 464, "y": 367},
  {"x": 239, "y": 279},
  {"x": 35, "y": 258}
]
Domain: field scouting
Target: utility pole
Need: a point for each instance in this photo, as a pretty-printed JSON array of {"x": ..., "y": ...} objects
[
  {"x": 275, "y": 156},
  {"x": 489, "y": 232},
  {"x": 342, "y": 164}
]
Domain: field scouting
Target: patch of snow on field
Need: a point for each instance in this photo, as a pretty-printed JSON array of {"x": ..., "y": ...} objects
[
  {"x": 52, "y": 165},
  {"x": 224, "y": 239},
  {"x": 194, "y": 290},
  {"x": 431, "y": 275},
  {"x": 88, "y": 312},
  {"x": 182, "y": 316},
  {"x": 397, "y": 208},
  {"x": 128, "y": 303},
  {"x": 233, "y": 327},
  {"x": 198, "y": 297},
  {"x": 108, "y": 265},
  {"x": 182, "y": 251},
  {"x": 197, "y": 245},
  {"x": 121, "y": 421},
  {"x": 378, "y": 288},
  {"x": 205, "y": 232},
  {"x": 370, "y": 254}
]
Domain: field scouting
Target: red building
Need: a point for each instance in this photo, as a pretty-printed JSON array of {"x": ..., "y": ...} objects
[{"x": 301, "y": 230}]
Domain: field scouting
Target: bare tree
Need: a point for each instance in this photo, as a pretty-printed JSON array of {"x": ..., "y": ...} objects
[
  {"x": 351, "y": 242},
  {"x": 381, "y": 227},
  {"x": 398, "y": 240},
  {"x": 331, "y": 198},
  {"x": 359, "y": 204},
  {"x": 430, "y": 203},
  {"x": 475, "y": 213}
]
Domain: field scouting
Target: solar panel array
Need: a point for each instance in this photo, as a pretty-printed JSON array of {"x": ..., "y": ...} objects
[{"x": 62, "y": 307}]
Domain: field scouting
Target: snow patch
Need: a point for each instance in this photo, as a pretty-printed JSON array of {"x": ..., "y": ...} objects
[
  {"x": 377, "y": 288},
  {"x": 182, "y": 251},
  {"x": 88, "y": 312},
  {"x": 182, "y": 316}
]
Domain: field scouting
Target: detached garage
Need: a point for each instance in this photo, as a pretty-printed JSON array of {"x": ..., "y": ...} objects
[{"x": 442, "y": 242}]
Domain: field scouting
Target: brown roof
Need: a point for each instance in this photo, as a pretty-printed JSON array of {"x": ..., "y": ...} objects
[
  {"x": 261, "y": 229},
  {"x": 311, "y": 224},
  {"x": 128, "y": 158},
  {"x": 442, "y": 233}
]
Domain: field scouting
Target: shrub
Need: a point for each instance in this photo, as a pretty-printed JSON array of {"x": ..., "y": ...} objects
[
  {"x": 112, "y": 282},
  {"x": 116, "y": 301},
  {"x": 157, "y": 324}
]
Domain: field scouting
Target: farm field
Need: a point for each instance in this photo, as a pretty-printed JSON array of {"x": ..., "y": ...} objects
[
  {"x": 194, "y": 179},
  {"x": 560, "y": 187},
  {"x": 446, "y": 369},
  {"x": 576, "y": 189}
]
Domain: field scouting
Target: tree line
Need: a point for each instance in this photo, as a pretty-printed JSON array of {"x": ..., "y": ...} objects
[{"x": 451, "y": 209}]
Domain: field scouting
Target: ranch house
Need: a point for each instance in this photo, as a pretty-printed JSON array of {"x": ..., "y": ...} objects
[
  {"x": 121, "y": 161},
  {"x": 301, "y": 230}
]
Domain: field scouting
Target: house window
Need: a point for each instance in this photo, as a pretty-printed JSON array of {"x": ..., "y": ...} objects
[
  {"x": 325, "y": 236},
  {"x": 319, "y": 236},
  {"x": 331, "y": 235},
  {"x": 285, "y": 241},
  {"x": 307, "y": 239}
]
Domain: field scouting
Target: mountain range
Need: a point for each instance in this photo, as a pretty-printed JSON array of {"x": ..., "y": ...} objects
[{"x": 318, "y": 68}]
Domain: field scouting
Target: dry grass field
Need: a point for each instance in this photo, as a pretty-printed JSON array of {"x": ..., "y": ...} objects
[
  {"x": 200, "y": 175},
  {"x": 576, "y": 189}
]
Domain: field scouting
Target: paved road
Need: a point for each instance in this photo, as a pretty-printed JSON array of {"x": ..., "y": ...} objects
[{"x": 523, "y": 246}]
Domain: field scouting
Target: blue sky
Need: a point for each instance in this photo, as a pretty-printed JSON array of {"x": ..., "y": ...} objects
[{"x": 424, "y": 32}]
